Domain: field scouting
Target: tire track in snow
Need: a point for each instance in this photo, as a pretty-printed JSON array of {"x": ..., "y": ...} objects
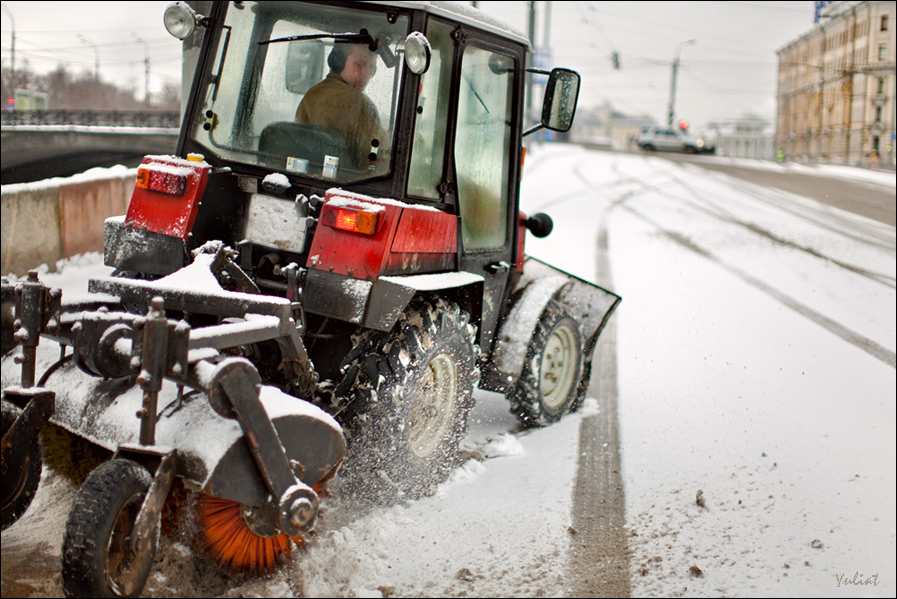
[
  {"x": 867, "y": 345},
  {"x": 710, "y": 208},
  {"x": 599, "y": 563},
  {"x": 864, "y": 343}
]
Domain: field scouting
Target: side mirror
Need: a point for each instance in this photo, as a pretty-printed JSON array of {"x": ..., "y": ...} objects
[{"x": 561, "y": 95}]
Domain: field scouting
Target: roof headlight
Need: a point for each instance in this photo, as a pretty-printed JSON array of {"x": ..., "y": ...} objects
[
  {"x": 180, "y": 20},
  {"x": 417, "y": 52}
]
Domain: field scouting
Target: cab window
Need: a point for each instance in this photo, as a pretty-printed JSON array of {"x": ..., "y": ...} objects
[
  {"x": 274, "y": 56},
  {"x": 483, "y": 147}
]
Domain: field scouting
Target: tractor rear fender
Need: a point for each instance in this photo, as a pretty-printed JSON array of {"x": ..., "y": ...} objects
[
  {"x": 541, "y": 283},
  {"x": 378, "y": 304}
]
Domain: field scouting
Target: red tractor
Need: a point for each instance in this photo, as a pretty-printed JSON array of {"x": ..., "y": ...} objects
[{"x": 308, "y": 291}]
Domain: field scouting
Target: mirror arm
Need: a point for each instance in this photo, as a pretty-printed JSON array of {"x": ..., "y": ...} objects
[
  {"x": 533, "y": 130},
  {"x": 536, "y": 71}
]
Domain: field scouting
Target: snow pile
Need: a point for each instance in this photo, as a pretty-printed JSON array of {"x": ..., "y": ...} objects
[
  {"x": 94, "y": 174},
  {"x": 466, "y": 540}
]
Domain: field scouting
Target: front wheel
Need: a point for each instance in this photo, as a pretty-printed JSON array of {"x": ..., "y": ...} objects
[
  {"x": 20, "y": 481},
  {"x": 549, "y": 383},
  {"x": 412, "y": 393},
  {"x": 101, "y": 555}
]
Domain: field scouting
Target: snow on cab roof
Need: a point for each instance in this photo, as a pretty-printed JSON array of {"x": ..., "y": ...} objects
[{"x": 468, "y": 15}]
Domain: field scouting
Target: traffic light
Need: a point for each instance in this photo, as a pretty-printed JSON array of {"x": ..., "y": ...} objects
[
  {"x": 615, "y": 59},
  {"x": 683, "y": 124}
]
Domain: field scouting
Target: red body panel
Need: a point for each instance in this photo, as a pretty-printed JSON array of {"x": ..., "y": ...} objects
[
  {"x": 168, "y": 213},
  {"x": 408, "y": 240}
]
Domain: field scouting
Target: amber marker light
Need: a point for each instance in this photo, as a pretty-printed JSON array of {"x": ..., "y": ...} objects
[{"x": 348, "y": 219}]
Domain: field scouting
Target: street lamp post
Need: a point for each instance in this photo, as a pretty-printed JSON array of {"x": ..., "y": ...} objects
[
  {"x": 146, "y": 64},
  {"x": 96, "y": 55},
  {"x": 673, "y": 82}
]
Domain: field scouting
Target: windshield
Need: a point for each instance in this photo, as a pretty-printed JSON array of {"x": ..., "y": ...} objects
[{"x": 322, "y": 106}]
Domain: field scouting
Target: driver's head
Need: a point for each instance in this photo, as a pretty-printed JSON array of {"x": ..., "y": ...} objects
[{"x": 355, "y": 64}]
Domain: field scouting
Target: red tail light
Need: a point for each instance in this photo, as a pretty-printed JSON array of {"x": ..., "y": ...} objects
[
  {"x": 162, "y": 178},
  {"x": 167, "y": 194}
]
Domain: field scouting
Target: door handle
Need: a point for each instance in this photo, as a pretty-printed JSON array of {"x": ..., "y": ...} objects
[{"x": 498, "y": 267}]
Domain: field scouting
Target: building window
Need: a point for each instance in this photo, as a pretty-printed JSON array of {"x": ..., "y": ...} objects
[
  {"x": 884, "y": 22},
  {"x": 881, "y": 86},
  {"x": 882, "y": 52},
  {"x": 878, "y": 114}
]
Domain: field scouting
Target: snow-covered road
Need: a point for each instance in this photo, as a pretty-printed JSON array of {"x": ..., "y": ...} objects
[{"x": 755, "y": 364}]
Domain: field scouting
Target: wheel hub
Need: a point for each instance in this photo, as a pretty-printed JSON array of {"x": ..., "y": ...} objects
[
  {"x": 433, "y": 409},
  {"x": 557, "y": 373},
  {"x": 125, "y": 552}
]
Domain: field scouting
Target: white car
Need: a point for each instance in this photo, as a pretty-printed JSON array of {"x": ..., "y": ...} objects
[{"x": 672, "y": 140}]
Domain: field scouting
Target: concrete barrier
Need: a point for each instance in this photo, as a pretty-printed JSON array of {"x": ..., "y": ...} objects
[{"x": 57, "y": 218}]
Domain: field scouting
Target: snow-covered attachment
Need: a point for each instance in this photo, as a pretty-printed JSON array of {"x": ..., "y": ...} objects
[{"x": 167, "y": 400}]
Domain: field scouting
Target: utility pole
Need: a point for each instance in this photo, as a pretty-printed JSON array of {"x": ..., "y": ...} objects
[
  {"x": 671, "y": 111},
  {"x": 146, "y": 64},
  {"x": 96, "y": 56}
]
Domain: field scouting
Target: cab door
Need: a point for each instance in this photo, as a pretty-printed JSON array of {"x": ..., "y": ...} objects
[{"x": 486, "y": 169}]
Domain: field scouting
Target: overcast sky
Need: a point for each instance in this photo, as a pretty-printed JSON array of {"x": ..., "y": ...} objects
[{"x": 729, "y": 71}]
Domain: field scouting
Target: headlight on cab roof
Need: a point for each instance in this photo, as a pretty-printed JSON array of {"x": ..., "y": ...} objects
[{"x": 180, "y": 20}]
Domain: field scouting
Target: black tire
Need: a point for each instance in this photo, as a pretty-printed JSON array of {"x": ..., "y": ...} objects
[
  {"x": 648, "y": 148},
  {"x": 548, "y": 386},
  {"x": 19, "y": 488},
  {"x": 99, "y": 558},
  {"x": 411, "y": 396}
]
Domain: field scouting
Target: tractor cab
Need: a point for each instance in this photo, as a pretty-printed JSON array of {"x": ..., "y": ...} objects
[
  {"x": 417, "y": 103},
  {"x": 442, "y": 98}
]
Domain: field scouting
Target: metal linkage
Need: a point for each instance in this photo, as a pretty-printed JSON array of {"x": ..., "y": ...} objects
[
  {"x": 37, "y": 311},
  {"x": 233, "y": 386},
  {"x": 237, "y": 382},
  {"x": 227, "y": 304},
  {"x": 160, "y": 350}
]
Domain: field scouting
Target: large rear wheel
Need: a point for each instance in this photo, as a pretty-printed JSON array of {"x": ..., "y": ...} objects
[
  {"x": 412, "y": 393},
  {"x": 101, "y": 554}
]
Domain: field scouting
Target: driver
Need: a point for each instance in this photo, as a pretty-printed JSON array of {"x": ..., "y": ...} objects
[{"x": 339, "y": 104}]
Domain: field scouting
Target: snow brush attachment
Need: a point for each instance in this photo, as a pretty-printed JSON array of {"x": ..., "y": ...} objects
[{"x": 237, "y": 541}]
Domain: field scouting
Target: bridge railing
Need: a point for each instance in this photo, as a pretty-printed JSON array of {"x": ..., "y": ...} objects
[{"x": 93, "y": 118}]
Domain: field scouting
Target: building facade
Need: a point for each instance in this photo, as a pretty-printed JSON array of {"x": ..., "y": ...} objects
[
  {"x": 747, "y": 136},
  {"x": 836, "y": 87}
]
